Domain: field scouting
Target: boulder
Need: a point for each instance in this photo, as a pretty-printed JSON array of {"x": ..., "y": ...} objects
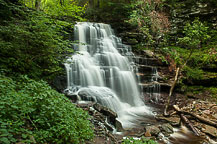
[
  {"x": 118, "y": 126},
  {"x": 111, "y": 115},
  {"x": 59, "y": 83},
  {"x": 173, "y": 120},
  {"x": 167, "y": 129}
]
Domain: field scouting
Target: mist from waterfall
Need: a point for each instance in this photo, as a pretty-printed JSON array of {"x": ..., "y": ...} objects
[{"x": 100, "y": 71}]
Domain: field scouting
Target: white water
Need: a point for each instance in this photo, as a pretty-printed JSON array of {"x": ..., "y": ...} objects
[{"x": 98, "y": 72}]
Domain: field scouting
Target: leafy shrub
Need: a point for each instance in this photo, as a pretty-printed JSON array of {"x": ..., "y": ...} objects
[
  {"x": 58, "y": 8},
  {"x": 193, "y": 73},
  {"x": 114, "y": 11},
  {"x": 150, "y": 19},
  {"x": 32, "y": 111},
  {"x": 33, "y": 43},
  {"x": 139, "y": 141}
]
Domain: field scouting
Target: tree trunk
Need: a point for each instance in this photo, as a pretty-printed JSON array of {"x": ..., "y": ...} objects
[
  {"x": 178, "y": 71},
  {"x": 37, "y": 5},
  {"x": 204, "y": 120},
  {"x": 171, "y": 91}
]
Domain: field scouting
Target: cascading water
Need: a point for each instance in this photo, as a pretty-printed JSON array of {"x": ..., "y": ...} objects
[{"x": 98, "y": 72}]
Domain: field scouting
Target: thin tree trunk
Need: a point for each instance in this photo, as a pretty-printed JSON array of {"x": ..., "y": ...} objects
[
  {"x": 171, "y": 91},
  {"x": 178, "y": 71},
  {"x": 37, "y": 5}
]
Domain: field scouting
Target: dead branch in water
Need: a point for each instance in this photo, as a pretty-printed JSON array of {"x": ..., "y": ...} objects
[
  {"x": 206, "y": 121},
  {"x": 185, "y": 119}
]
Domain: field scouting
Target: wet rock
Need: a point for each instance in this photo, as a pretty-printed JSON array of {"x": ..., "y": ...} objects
[
  {"x": 166, "y": 129},
  {"x": 111, "y": 115},
  {"x": 173, "y": 120},
  {"x": 84, "y": 95},
  {"x": 72, "y": 97},
  {"x": 152, "y": 130},
  {"x": 59, "y": 83},
  {"x": 207, "y": 129},
  {"x": 118, "y": 126},
  {"x": 132, "y": 41}
]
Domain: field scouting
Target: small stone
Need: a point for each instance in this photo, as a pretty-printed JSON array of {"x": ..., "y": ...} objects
[
  {"x": 147, "y": 134},
  {"x": 167, "y": 128},
  {"x": 149, "y": 53},
  {"x": 153, "y": 130}
]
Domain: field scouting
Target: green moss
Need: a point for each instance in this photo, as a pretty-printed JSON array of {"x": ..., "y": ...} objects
[
  {"x": 213, "y": 92},
  {"x": 209, "y": 93}
]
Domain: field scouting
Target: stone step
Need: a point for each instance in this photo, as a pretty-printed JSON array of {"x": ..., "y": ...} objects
[
  {"x": 148, "y": 78},
  {"x": 146, "y": 61},
  {"x": 145, "y": 53},
  {"x": 154, "y": 87},
  {"x": 146, "y": 69}
]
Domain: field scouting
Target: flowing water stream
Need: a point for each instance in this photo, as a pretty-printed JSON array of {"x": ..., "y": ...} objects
[{"x": 100, "y": 71}]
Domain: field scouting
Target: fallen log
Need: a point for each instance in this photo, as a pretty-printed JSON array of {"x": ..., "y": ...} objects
[
  {"x": 185, "y": 119},
  {"x": 202, "y": 119}
]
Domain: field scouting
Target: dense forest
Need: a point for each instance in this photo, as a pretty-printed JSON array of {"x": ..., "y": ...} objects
[{"x": 36, "y": 37}]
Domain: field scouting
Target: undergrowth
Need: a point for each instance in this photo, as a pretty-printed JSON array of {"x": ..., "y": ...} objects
[
  {"x": 32, "y": 42},
  {"x": 139, "y": 141},
  {"x": 32, "y": 112}
]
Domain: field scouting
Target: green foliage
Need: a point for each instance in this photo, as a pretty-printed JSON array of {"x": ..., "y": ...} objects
[
  {"x": 140, "y": 141},
  {"x": 33, "y": 43},
  {"x": 67, "y": 8},
  {"x": 195, "y": 34},
  {"x": 201, "y": 90},
  {"x": 109, "y": 11},
  {"x": 58, "y": 8},
  {"x": 193, "y": 73},
  {"x": 213, "y": 92},
  {"x": 150, "y": 20},
  {"x": 33, "y": 112},
  {"x": 176, "y": 53}
]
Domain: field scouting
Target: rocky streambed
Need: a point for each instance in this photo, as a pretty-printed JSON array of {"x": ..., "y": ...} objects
[{"x": 171, "y": 129}]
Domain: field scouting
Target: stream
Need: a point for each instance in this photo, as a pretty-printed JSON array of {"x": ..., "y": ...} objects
[{"x": 103, "y": 70}]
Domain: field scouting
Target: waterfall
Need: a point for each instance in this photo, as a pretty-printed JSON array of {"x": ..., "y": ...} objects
[{"x": 100, "y": 71}]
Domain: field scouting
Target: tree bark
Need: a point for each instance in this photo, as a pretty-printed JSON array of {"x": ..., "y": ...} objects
[
  {"x": 178, "y": 71},
  {"x": 185, "y": 119},
  {"x": 206, "y": 121},
  {"x": 171, "y": 91},
  {"x": 37, "y": 5}
]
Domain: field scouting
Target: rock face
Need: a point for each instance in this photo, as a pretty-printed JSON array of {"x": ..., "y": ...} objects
[
  {"x": 188, "y": 10},
  {"x": 107, "y": 112},
  {"x": 151, "y": 81},
  {"x": 59, "y": 83}
]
